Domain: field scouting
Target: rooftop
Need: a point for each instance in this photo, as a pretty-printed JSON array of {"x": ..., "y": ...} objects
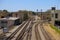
[{"x": 9, "y": 18}]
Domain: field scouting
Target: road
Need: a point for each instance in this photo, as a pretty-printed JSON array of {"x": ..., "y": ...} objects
[{"x": 30, "y": 30}]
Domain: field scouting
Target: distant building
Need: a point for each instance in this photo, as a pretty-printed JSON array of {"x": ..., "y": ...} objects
[
  {"x": 45, "y": 15},
  {"x": 9, "y": 22},
  {"x": 55, "y": 17},
  {"x": 52, "y": 16}
]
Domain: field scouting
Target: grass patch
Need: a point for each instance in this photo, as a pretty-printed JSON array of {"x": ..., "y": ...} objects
[{"x": 55, "y": 28}]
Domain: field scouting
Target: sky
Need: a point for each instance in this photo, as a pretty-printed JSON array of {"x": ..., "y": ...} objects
[{"x": 32, "y": 5}]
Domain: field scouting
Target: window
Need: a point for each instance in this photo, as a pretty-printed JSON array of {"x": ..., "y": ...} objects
[
  {"x": 57, "y": 23},
  {"x": 56, "y": 15}
]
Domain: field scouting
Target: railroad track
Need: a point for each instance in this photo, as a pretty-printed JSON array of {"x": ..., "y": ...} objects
[
  {"x": 29, "y": 32},
  {"x": 38, "y": 37},
  {"x": 15, "y": 32},
  {"x": 47, "y": 37},
  {"x": 21, "y": 34}
]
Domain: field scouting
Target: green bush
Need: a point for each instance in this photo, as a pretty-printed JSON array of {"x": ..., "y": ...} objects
[{"x": 55, "y": 28}]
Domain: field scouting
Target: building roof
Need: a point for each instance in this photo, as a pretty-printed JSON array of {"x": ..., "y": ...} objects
[{"x": 9, "y": 18}]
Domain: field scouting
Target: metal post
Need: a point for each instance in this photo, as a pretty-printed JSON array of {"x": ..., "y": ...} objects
[
  {"x": 37, "y": 12},
  {"x": 5, "y": 28},
  {"x": 41, "y": 14}
]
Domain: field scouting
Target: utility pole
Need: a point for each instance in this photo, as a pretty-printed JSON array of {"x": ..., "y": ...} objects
[
  {"x": 41, "y": 14},
  {"x": 37, "y": 12},
  {"x": 41, "y": 18}
]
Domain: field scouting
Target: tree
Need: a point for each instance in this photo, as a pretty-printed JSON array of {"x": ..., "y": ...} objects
[
  {"x": 25, "y": 16},
  {"x": 33, "y": 13},
  {"x": 5, "y": 12}
]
